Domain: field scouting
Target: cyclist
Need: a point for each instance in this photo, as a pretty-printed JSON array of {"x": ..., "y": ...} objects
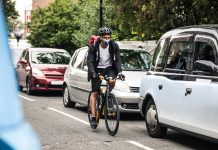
[{"x": 103, "y": 59}]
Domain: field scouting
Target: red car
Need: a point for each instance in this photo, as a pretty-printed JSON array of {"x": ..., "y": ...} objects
[{"x": 42, "y": 69}]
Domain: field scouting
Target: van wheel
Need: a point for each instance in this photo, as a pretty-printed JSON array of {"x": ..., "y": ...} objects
[
  {"x": 66, "y": 99},
  {"x": 154, "y": 129}
]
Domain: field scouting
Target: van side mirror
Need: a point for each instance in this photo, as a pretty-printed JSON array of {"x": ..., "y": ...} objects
[{"x": 207, "y": 66}]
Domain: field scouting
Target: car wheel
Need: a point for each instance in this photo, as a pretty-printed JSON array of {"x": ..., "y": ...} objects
[
  {"x": 28, "y": 88},
  {"x": 154, "y": 129},
  {"x": 66, "y": 99}
]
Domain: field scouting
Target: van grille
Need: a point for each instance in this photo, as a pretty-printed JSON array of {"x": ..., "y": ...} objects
[{"x": 134, "y": 89}]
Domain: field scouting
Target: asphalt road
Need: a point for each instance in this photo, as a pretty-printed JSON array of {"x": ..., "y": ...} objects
[{"x": 61, "y": 128}]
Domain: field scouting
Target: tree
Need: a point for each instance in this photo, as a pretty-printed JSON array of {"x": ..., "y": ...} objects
[
  {"x": 55, "y": 26},
  {"x": 10, "y": 13},
  {"x": 64, "y": 24},
  {"x": 9, "y": 9},
  {"x": 87, "y": 20},
  {"x": 149, "y": 19}
]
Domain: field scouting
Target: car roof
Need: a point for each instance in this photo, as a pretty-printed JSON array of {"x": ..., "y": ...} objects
[
  {"x": 207, "y": 28},
  {"x": 147, "y": 46},
  {"x": 46, "y": 49}
]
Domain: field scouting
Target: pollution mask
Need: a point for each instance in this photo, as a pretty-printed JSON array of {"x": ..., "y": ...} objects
[{"x": 106, "y": 42}]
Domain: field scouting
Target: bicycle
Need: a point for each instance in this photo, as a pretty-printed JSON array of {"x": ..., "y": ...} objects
[{"x": 107, "y": 107}]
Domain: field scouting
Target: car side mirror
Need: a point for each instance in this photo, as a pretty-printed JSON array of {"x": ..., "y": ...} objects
[{"x": 207, "y": 66}]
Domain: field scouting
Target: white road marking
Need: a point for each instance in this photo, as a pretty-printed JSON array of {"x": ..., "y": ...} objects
[
  {"x": 86, "y": 123},
  {"x": 26, "y": 98},
  {"x": 140, "y": 145},
  {"x": 70, "y": 116}
]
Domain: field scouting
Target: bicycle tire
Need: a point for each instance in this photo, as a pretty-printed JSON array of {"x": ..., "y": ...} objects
[
  {"x": 112, "y": 113},
  {"x": 97, "y": 114}
]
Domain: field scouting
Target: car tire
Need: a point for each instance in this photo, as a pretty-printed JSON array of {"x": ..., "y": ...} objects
[
  {"x": 154, "y": 129},
  {"x": 28, "y": 88},
  {"x": 66, "y": 99}
]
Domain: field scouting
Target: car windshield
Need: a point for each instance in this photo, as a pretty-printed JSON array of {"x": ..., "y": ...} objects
[
  {"x": 135, "y": 60},
  {"x": 50, "y": 57}
]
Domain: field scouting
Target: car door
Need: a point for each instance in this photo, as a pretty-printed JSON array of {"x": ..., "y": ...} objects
[
  {"x": 171, "y": 86},
  {"x": 19, "y": 67},
  {"x": 75, "y": 75},
  {"x": 83, "y": 82},
  {"x": 22, "y": 68},
  {"x": 201, "y": 102}
]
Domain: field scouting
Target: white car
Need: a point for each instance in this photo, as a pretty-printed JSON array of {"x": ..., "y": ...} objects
[
  {"x": 135, "y": 63},
  {"x": 180, "y": 90}
]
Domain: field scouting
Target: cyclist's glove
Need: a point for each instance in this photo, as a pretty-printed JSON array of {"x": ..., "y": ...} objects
[{"x": 121, "y": 76}]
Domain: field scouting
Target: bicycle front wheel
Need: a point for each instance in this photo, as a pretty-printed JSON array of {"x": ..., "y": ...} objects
[{"x": 112, "y": 115}]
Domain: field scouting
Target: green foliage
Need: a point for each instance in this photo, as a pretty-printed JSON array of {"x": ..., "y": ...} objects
[
  {"x": 149, "y": 19},
  {"x": 87, "y": 21},
  {"x": 70, "y": 23},
  {"x": 10, "y": 13},
  {"x": 55, "y": 26},
  {"x": 9, "y": 9}
]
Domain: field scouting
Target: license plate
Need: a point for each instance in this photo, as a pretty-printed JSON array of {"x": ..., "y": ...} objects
[{"x": 56, "y": 82}]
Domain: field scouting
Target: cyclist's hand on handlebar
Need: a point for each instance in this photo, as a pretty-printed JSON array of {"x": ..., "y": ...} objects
[
  {"x": 121, "y": 76},
  {"x": 100, "y": 77}
]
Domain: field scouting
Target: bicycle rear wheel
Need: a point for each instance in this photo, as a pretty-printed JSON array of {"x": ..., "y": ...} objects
[
  {"x": 97, "y": 110},
  {"x": 112, "y": 115}
]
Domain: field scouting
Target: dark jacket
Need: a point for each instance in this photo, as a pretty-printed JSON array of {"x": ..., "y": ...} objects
[{"x": 93, "y": 58}]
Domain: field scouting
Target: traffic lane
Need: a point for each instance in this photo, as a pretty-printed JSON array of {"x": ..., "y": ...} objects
[
  {"x": 59, "y": 132},
  {"x": 132, "y": 127}
]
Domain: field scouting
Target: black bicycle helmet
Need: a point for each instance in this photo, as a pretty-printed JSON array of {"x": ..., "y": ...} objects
[{"x": 105, "y": 31}]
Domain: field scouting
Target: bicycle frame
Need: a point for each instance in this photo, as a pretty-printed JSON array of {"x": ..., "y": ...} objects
[{"x": 107, "y": 106}]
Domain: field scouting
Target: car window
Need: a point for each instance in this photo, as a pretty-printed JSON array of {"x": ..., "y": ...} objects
[
  {"x": 84, "y": 66},
  {"x": 205, "y": 48},
  {"x": 159, "y": 54},
  {"x": 79, "y": 58},
  {"x": 50, "y": 57},
  {"x": 23, "y": 54},
  {"x": 27, "y": 56},
  {"x": 134, "y": 60},
  {"x": 205, "y": 52},
  {"x": 178, "y": 54},
  {"x": 74, "y": 57}
]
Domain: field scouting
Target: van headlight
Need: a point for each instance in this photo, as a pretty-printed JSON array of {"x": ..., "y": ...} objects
[
  {"x": 121, "y": 86},
  {"x": 37, "y": 73}
]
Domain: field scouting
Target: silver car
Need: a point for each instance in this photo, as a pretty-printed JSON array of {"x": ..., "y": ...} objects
[{"x": 135, "y": 63}]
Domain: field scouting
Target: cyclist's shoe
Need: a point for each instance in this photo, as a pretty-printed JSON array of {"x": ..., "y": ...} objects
[{"x": 93, "y": 123}]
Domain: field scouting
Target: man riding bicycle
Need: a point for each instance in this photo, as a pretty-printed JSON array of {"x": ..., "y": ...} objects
[{"x": 103, "y": 59}]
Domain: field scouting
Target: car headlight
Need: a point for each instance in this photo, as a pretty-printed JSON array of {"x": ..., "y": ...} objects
[
  {"x": 37, "y": 73},
  {"x": 121, "y": 86}
]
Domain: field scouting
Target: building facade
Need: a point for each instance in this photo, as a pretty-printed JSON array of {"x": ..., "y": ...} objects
[{"x": 40, "y": 3}]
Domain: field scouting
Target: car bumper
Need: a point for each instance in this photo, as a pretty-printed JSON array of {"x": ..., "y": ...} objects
[
  {"x": 128, "y": 102},
  {"x": 45, "y": 84}
]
